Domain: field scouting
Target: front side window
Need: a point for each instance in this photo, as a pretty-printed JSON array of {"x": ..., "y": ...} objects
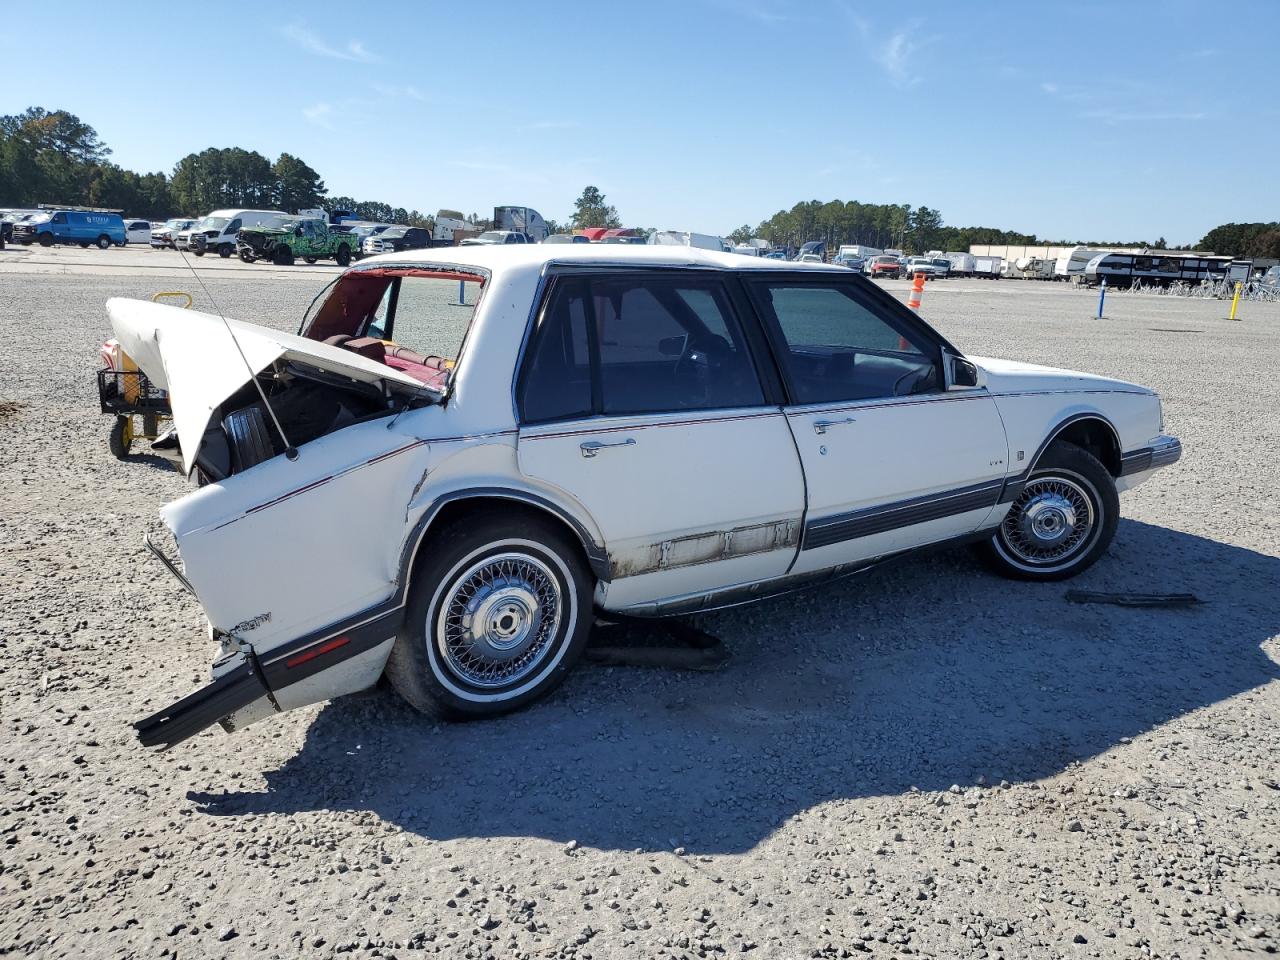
[
  {"x": 834, "y": 347},
  {"x": 651, "y": 344},
  {"x": 59, "y": 218}
]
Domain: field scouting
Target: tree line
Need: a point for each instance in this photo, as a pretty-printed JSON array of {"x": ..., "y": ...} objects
[{"x": 52, "y": 156}]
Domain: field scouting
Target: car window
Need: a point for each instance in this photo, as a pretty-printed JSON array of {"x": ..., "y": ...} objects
[
  {"x": 661, "y": 345},
  {"x": 59, "y": 218},
  {"x": 427, "y": 320},
  {"x": 555, "y": 383},
  {"x": 835, "y": 348},
  {"x": 233, "y": 226}
]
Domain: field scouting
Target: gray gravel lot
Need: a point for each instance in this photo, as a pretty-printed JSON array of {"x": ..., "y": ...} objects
[{"x": 923, "y": 761}]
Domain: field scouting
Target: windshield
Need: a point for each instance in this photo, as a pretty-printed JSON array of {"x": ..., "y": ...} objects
[{"x": 213, "y": 223}]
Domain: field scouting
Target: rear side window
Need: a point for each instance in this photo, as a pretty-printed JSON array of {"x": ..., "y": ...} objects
[
  {"x": 637, "y": 345},
  {"x": 556, "y": 381}
]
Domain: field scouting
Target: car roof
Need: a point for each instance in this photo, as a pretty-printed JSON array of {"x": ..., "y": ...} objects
[{"x": 536, "y": 256}]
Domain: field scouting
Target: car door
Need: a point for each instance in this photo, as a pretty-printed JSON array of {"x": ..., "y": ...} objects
[
  {"x": 639, "y": 398},
  {"x": 892, "y": 458}
]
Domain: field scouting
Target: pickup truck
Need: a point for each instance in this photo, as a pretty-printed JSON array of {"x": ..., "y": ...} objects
[{"x": 310, "y": 239}]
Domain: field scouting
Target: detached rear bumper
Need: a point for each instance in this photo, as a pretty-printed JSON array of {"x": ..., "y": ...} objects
[{"x": 233, "y": 691}]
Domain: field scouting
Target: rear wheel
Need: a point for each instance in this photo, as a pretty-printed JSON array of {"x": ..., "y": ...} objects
[
  {"x": 104, "y": 242},
  {"x": 121, "y": 437},
  {"x": 225, "y": 250},
  {"x": 1063, "y": 520},
  {"x": 499, "y": 610},
  {"x": 343, "y": 256}
]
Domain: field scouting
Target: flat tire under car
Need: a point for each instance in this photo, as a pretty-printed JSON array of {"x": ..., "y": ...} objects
[{"x": 498, "y": 613}]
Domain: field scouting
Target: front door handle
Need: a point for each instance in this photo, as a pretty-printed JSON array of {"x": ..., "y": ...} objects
[
  {"x": 591, "y": 447},
  {"x": 821, "y": 426}
]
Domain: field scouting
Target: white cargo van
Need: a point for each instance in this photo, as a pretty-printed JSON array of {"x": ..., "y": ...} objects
[{"x": 217, "y": 232}]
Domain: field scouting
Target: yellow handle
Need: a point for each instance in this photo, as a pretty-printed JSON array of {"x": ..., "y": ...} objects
[{"x": 173, "y": 293}]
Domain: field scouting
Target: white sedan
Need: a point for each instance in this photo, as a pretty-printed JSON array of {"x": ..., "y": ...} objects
[{"x": 447, "y": 495}]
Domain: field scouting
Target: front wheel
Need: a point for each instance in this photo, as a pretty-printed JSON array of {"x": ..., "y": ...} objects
[
  {"x": 1061, "y": 522},
  {"x": 310, "y": 259},
  {"x": 247, "y": 257},
  {"x": 498, "y": 612},
  {"x": 282, "y": 256},
  {"x": 46, "y": 240},
  {"x": 104, "y": 242}
]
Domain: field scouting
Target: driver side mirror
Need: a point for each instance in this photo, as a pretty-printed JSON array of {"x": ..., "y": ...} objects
[{"x": 964, "y": 373}]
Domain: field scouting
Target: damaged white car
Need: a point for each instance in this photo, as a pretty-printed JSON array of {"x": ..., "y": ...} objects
[{"x": 467, "y": 453}]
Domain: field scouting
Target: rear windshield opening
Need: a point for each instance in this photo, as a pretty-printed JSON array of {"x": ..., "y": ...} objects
[{"x": 412, "y": 320}]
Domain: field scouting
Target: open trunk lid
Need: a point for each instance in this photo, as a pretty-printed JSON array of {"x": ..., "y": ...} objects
[{"x": 193, "y": 356}]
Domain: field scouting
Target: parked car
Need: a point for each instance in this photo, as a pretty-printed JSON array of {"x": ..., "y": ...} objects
[
  {"x": 289, "y": 238},
  {"x": 566, "y": 238},
  {"x": 396, "y": 239},
  {"x": 218, "y": 231},
  {"x": 932, "y": 268},
  {"x": 808, "y": 258},
  {"x": 81, "y": 227},
  {"x": 884, "y": 266},
  {"x": 452, "y": 515},
  {"x": 494, "y": 237},
  {"x": 137, "y": 231},
  {"x": 852, "y": 261},
  {"x": 166, "y": 235}
]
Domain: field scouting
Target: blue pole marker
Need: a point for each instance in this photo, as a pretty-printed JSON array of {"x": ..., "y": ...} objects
[
  {"x": 462, "y": 294},
  {"x": 1102, "y": 296}
]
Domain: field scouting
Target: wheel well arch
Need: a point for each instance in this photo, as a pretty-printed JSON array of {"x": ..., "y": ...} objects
[
  {"x": 453, "y": 507},
  {"x": 1091, "y": 431}
]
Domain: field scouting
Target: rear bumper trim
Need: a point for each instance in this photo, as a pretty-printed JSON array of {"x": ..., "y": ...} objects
[{"x": 234, "y": 690}]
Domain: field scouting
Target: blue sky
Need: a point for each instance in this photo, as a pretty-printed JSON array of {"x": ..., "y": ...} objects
[{"x": 1106, "y": 121}]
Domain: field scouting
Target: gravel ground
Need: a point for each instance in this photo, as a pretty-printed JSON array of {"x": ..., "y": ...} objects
[{"x": 923, "y": 761}]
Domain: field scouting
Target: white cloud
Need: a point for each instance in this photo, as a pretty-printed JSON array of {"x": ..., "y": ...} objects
[
  {"x": 894, "y": 54},
  {"x": 321, "y": 114},
  {"x": 355, "y": 50},
  {"x": 1121, "y": 116},
  {"x": 396, "y": 92},
  {"x": 1049, "y": 87}
]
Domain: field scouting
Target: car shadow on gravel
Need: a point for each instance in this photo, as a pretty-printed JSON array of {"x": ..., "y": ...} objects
[{"x": 923, "y": 674}]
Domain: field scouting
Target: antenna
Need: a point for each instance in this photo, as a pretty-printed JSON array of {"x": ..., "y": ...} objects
[{"x": 290, "y": 451}]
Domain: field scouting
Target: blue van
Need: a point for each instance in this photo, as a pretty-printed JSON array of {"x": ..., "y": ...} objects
[{"x": 72, "y": 226}]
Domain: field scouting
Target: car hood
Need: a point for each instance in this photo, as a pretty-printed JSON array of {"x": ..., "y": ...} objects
[
  {"x": 1011, "y": 376},
  {"x": 193, "y": 356}
]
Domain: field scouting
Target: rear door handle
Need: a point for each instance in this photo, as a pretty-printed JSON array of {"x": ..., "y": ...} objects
[
  {"x": 591, "y": 447},
  {"x": 821, "y": 426}
]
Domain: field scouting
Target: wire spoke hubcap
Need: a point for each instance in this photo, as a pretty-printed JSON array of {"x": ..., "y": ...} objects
[
  {"x": 498, "y": 619},
  {"x": 1049, "y": 522}
]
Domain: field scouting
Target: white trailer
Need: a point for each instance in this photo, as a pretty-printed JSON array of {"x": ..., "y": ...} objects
[
  {"x": 962, "y": 264},
  {"x": 1070, "y": 264},
  {"x": 445, "y": 227},
  {"x": 684, "y": 238},
  {"x": 988, "y": 267}
]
